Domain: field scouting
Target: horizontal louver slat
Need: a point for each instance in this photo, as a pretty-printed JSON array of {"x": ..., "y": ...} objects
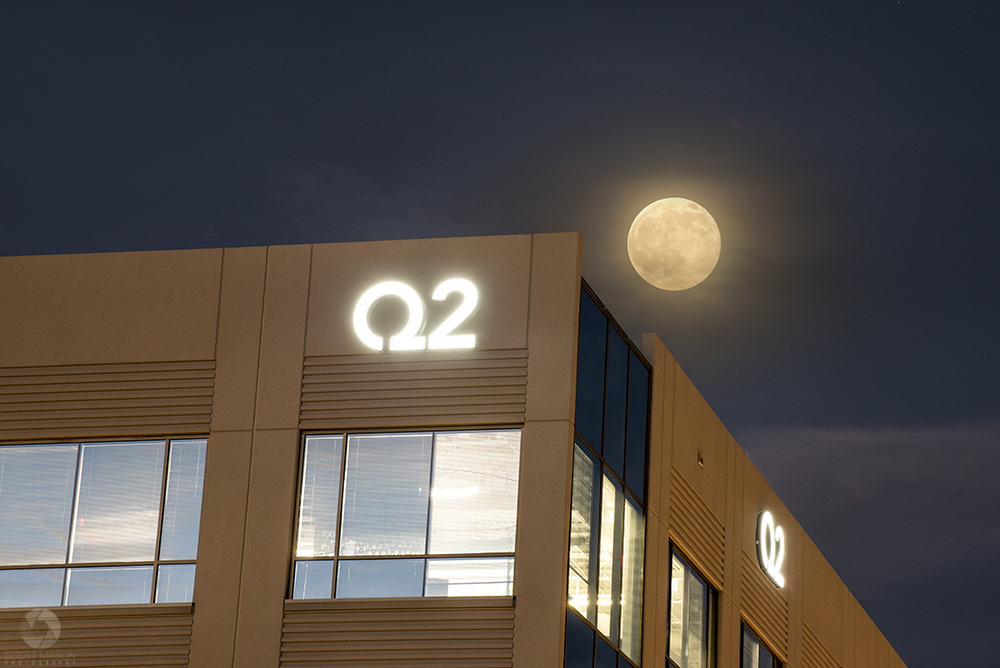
[
  {"x": 700, "y": 532},
  {"x": 412, "y": 389},
  {"x": 432, "y": 636},
  {"x": 83, "y": 401}
]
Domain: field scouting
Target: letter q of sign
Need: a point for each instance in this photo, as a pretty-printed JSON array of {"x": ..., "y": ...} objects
[{"x": 407, "y": 339}]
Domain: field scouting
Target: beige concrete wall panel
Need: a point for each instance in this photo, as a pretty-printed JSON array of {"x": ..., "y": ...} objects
[
  {"x": 661, "y": 424},
  {"x": 106, "y": 400},
  {"x": 553, "y": 317},
  {"x": 541, "y": 552},
  {"x": 762, "y": 607},
  {"x": 341, "y": 273},
  {"x": 699, "y": 532},
  {"x": 414, "y": 389},
  {"x": 109, "y": 308},
  {"x": 241, "y": 307},
  {"x": 283, "y": 337},
  {"x": 822, "y": 605},
  {"x": 700, "y": 444},
  {"x": 431, "y": 632},
  {"x": 220, "y": 557},
  {"x": 656, "y": 596},
  {"x": 815, "y": 653},
  {"x": 91, "y": 636},
  {"x": 267, "y": 546}
]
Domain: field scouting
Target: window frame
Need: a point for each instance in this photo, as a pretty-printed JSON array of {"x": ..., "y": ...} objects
[
  {"x": 748, "y": 629},
  {"x": 336, "y": 558},
  {"x": 68, "y": 565},
  {"x": 711, "y": 613}
]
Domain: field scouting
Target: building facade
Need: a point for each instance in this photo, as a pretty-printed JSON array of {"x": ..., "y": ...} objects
[{"x": 403, "y": 453}]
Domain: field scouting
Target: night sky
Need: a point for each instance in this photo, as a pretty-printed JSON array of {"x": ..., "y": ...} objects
[{"x": 850, "y": 154}]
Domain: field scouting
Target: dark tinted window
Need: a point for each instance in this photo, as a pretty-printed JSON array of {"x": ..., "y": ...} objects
[
  {"x": 590, "y": 371},
  {"x": 615, "y": 402},
  {"x": 638, "y": 401},
  {"x": 579, "y": 643}
]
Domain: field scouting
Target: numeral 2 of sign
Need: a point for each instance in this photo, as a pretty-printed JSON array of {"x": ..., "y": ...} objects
[
  {"x": 407, "y": 339},
  {"x": 770, "y": 547}
]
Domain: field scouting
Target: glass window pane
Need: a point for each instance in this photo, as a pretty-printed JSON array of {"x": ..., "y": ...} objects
[
  {"x": 474, "y": 493},
  {"x": 610, "y": 559},
  {"x": 36, "y": 498},
  {"x": 590, "y": 371},
  {"x": 605, "y": 656},
  {"x": 118, "y": 502},
  {"x": 633, "y": 554},
  {"x": 385, "y": 494},
  {"x": 615, "y": 403},
  {"x": 182, "y": 507},
  {"x": 31, "y": 588},
  {"x": 106, "y": 586},
  {"x": 175, "y": 583},
  {"x": 470, "y": 577},
  {"x": 689, "y": 623},
  {"x": 313, "y": 579},
  {"x": 380, "y": 578},
  {"x": 755, "y": 655},
  {"x": 579, "y": 643},
  {"x": 635, "y": 452},
  {"x": 582, "y": 541},
  {"x": 320, "y": 493}
]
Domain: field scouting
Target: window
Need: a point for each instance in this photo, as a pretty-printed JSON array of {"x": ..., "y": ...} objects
[
  {"x": 690, "y": 639},
  {"x": 99, "y": 523},
  {"x": 607, "y": 522},
  {"x": 414, "y": 514},
  {"x": 755, "y": 655}
]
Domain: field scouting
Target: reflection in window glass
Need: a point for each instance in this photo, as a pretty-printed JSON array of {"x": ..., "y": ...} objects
[
  {"x": 448, "y": 494},
  {"x": 174, "y": 583},
  {"x": 320, "y": 493},
  {"x": 118, "y": 502},
  {"x": 583, "y": 523},
  {"x": 470, "y": 577},
  {"x": 756, "y": 655},
  {"x": 386, "y": 488},
  {"x": 379, "y": 578},
  {"x": 633, "y": 554},
  {"x": 690, "y": 605},
  {"x": 474, "y": 493},
  {"x": 36, "y": 500},
  {"x": 182, "y": 506},
  {"x": 609, "y": 568},
  {"x": 313, "y": 579},
  {"x": 109, "y": 586},
  {"x": 99, "y": 503},
  {"x": 39, "y": 587}
]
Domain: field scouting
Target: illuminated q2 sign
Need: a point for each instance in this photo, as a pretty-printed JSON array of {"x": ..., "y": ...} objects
[
  {"x": 770, "y": 547},
  {"x": 407, "y": 339}
]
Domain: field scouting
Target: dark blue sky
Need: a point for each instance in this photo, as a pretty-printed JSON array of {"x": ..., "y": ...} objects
[{"x": 848, "y": 152}]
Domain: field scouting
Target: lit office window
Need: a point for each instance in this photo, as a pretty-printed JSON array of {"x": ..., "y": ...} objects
[
  {"x": 756, "y": 655},
  {"x": 64, "y": 507},
  {"x": 692, "y": 603},
  {"x": 412, "y": 514}
]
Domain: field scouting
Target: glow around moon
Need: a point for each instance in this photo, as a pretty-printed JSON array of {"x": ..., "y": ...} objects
[{"x": 674, "y": 244}]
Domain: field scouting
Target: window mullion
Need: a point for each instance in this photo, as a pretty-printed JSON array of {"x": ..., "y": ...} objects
[{"x": 72, "y": 521}]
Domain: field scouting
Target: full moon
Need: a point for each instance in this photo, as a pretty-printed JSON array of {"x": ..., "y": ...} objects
[{"x": 674, "y": 244}]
